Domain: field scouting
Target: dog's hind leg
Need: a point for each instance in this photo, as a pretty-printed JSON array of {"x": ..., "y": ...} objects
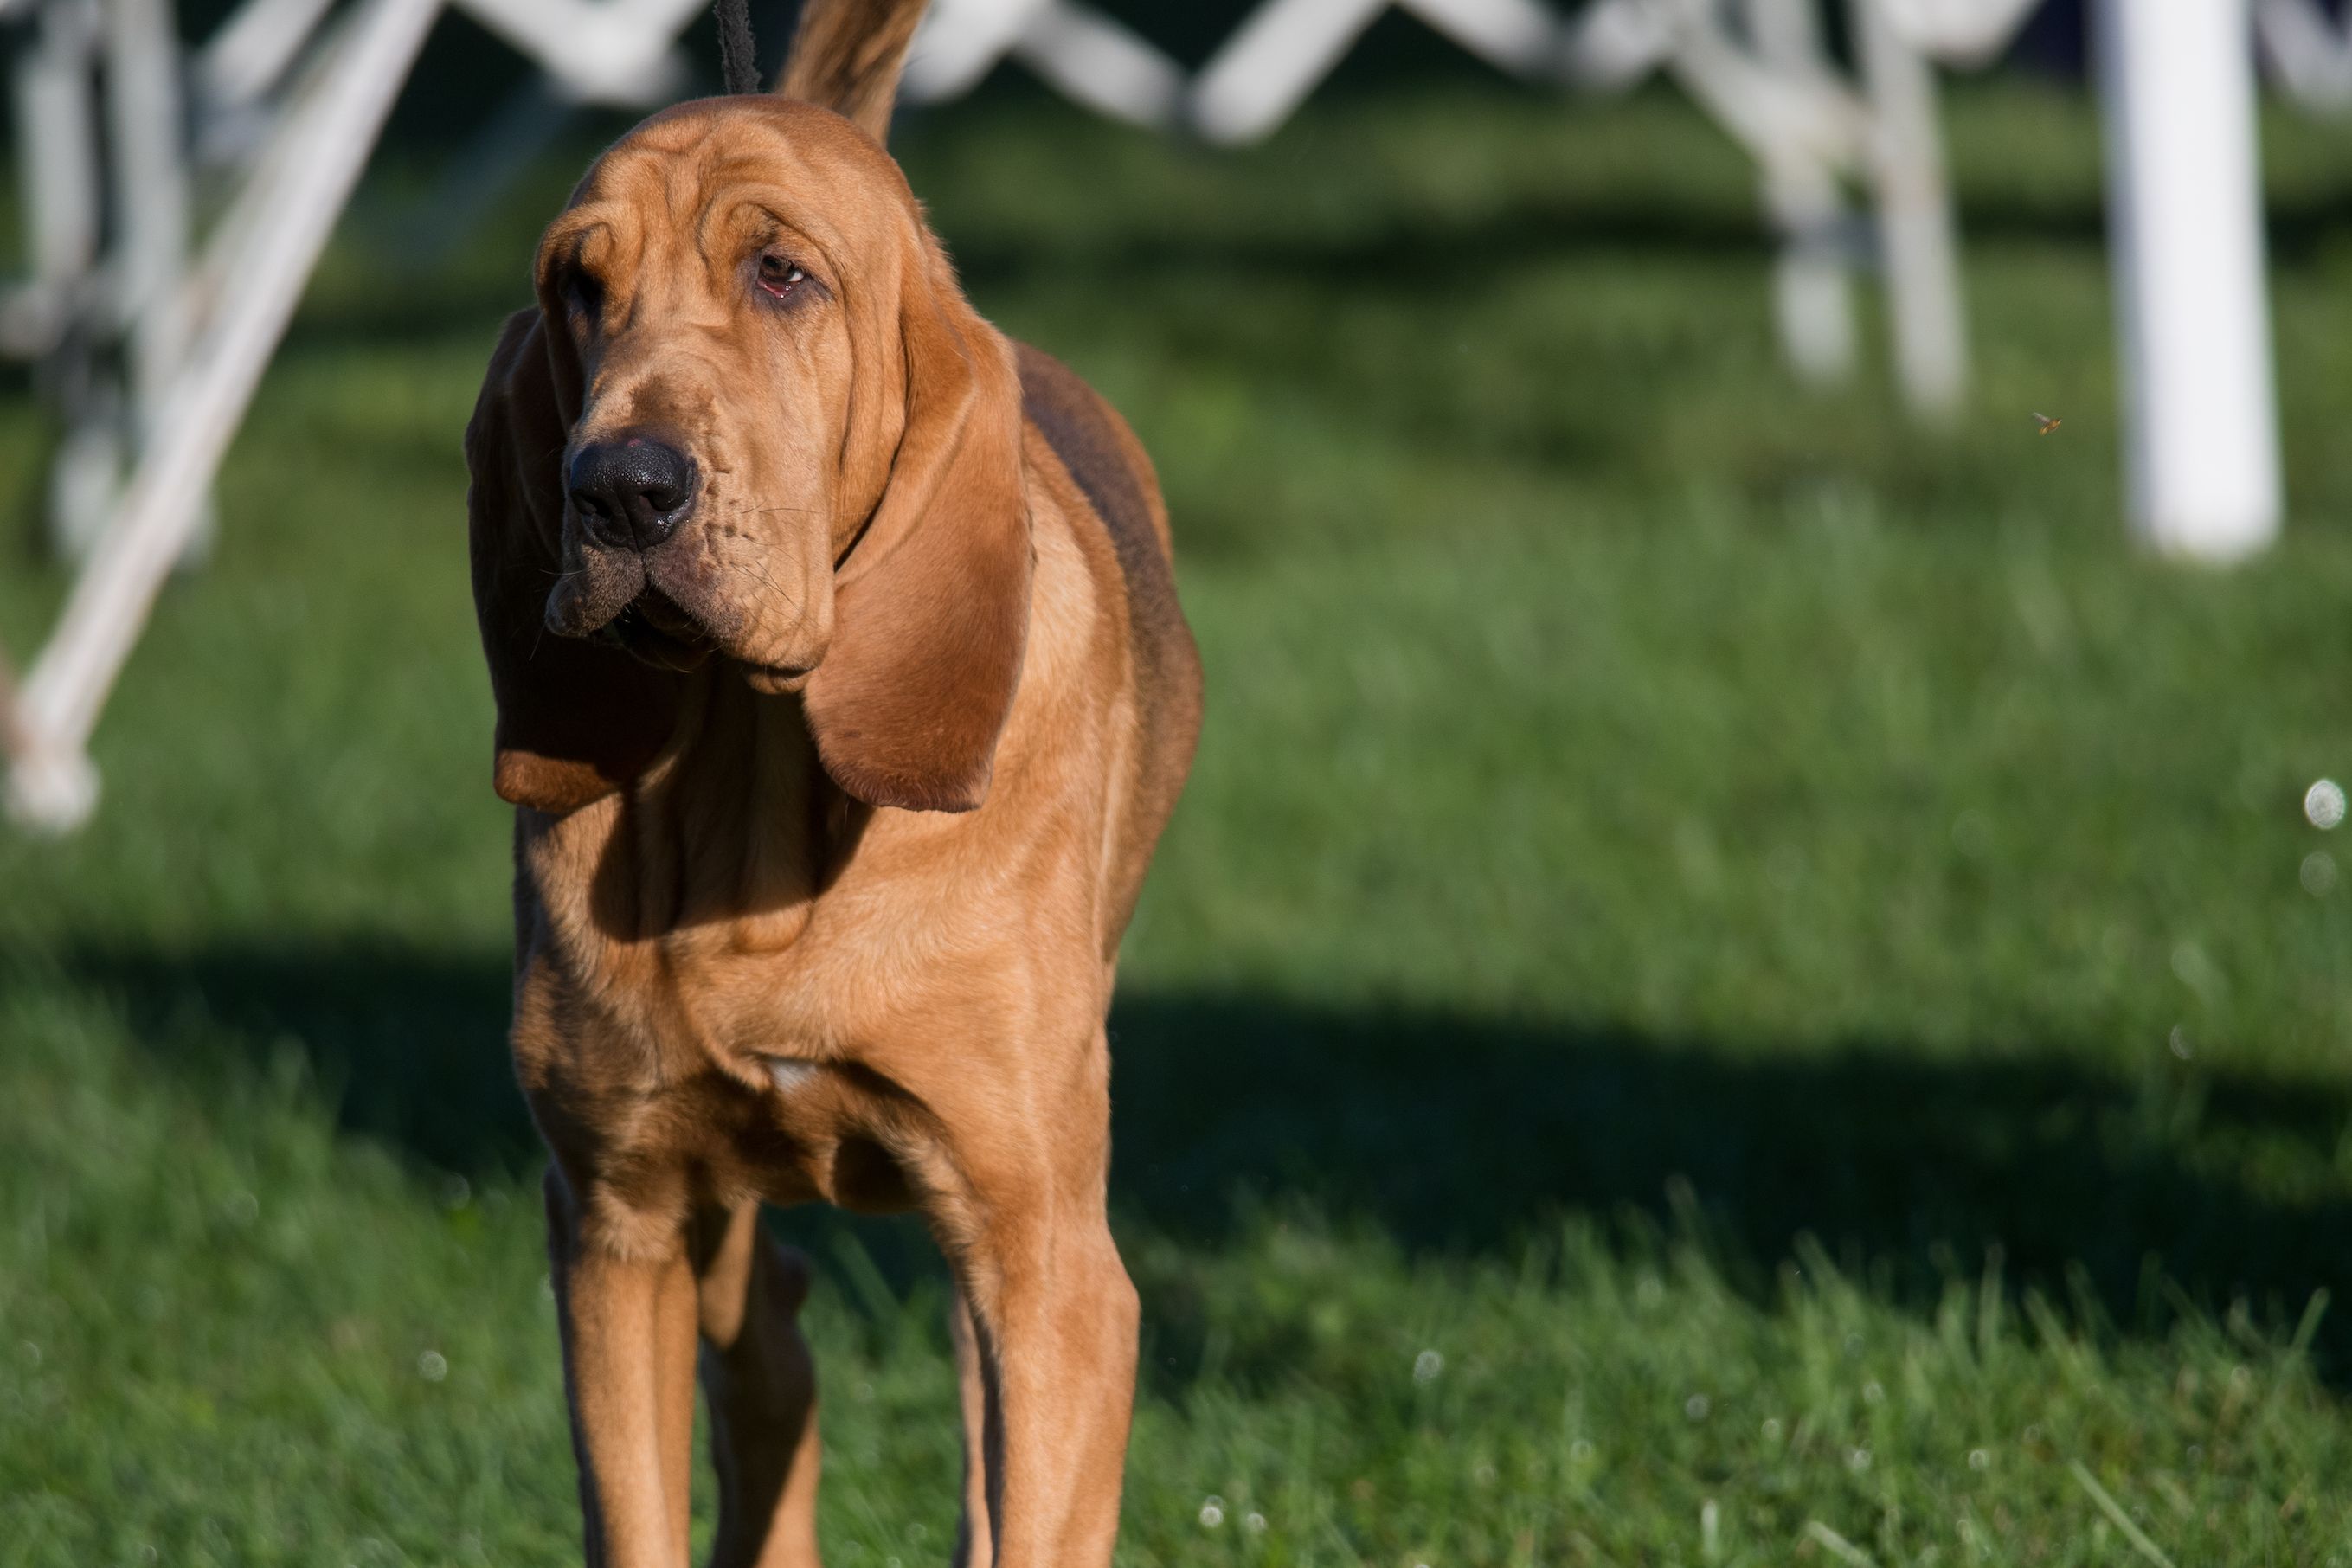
[
  {"x": 762, "y": 1387},
  {"x": 974, "y": 1548}
]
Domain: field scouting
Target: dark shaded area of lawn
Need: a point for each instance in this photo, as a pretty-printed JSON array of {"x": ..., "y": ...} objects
[{"x": 1456, "y": 1134}]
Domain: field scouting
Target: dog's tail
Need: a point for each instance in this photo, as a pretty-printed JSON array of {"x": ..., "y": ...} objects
[{"x": 846, "y": 55}]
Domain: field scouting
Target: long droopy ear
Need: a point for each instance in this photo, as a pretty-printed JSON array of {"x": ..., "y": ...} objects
[
  {"x": 577, "y": 720},
  {"x": 931, "y": 603},
  {"x": 845, "y": 57}
]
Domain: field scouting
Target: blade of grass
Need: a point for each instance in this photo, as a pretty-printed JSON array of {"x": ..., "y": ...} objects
[
  {"x": 2114, "y": 1511},
  {"x": 1838, "y": 1546}
]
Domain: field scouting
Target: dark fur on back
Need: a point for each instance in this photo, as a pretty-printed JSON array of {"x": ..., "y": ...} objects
[
  {"x": 1076, "y": 424},
  {"x": 1094, "y": 445}
]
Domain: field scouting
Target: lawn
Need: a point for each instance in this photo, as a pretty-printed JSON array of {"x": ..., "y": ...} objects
[{"x": 1740, "y": 982}]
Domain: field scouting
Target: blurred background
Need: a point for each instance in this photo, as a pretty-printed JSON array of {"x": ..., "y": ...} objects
[{"x": 1754, "y": 968}]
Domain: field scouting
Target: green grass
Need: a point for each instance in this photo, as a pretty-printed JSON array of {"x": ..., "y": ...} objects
[{"x": 1734, "y": 985}]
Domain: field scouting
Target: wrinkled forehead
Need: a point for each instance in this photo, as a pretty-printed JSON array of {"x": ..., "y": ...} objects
[{"x": 724, "y": 173}]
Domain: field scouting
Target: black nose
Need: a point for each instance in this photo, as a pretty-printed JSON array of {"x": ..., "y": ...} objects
[{"x": 631, "y": 490}]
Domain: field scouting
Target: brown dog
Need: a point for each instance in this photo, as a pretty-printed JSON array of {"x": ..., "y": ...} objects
[{"x": 843, "y": 693}]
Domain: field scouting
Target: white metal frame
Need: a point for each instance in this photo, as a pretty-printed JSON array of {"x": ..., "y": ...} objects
[
  {"x": 290, "y": 100},
  {"x": 1761, "y": 72},
  {"x": 1757, "y": 67},
  {"x": 2200, "y": 425},
  {"x": 2200, "y": 420},
  {"x": 267, "y": 244}
]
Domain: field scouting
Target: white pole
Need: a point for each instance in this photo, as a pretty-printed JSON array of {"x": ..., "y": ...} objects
[
  {"x": 2309, "y": 55},
  {"x": 57, "y": 152},
  {"x": 57, "y": 146},
  {"x": 254, "y": 48},
  {"x": 2200, "y": 423},
  {"x": 961, "y": 41},
  {"x": 1812, "y": 294},
  {"x": 1915, "y": 214},
  {"x": 1272, "y": 62},
  {"x": 1098, "y": 63},
  {"x": 151, "y": 202}
]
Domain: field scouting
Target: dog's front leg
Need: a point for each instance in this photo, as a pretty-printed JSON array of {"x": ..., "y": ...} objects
[
  {"x": 1050, "y": 1356},
  {"x": 628, "y": 1324}
]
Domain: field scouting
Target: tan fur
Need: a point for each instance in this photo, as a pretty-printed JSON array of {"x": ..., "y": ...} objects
[{"x": 748, "y": 969}]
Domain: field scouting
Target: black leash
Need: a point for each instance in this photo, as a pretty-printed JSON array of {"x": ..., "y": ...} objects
[{"x": 738, "y": 68}]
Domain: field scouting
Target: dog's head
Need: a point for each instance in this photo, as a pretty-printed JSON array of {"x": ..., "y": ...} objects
[{"x": 754, "y": 421}]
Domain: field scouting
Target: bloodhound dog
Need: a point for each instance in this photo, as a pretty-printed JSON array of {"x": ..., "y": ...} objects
[{"x": 842, "y": 694}]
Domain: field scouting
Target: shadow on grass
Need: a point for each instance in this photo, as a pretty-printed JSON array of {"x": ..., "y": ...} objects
[{"x": 1464, "y": 1136}]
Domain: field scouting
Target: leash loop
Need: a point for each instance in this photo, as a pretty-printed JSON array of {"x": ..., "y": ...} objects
[{"x": 739, "y": 67}]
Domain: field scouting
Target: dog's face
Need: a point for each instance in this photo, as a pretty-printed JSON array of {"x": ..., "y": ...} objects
[
  {"x": 755, "y": 426},
  {"x": 709, "y": 280}
]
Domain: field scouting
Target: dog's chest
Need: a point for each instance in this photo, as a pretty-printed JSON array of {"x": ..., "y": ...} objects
[
  {"x": 775, "y": 1043},
  {"x": 705, "y": 1073}
]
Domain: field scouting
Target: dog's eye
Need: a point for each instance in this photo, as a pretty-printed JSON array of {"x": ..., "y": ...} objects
[{"x": 778, "y": 277}]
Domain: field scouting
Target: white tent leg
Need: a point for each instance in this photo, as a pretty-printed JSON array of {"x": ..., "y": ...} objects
[
  {"x": 2309, "y": 54},
  {"x": 1812, "y": 292},
  {"x": 150, "y": 216},
  {"x": 960, "y": 41},
  {"x": 1272, "y": 62},
  {"x": 1915, "y": 216},
  {"x": 327, "y": 144},
  {"x": 57, "y": 153},
  {"x": 1095, "y": 61},
  {"x": 56, "y": 147},
  {"x": 1612, "y": 44},
  {"x": 253, "y": 49},
  {"x": 2200, "y": 423},
  {"x": 1812, "y": 286}
]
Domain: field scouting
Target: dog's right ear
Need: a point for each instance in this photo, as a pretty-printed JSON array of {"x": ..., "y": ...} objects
[
  {"x": 577, "y": 720},
  {"x": 845, "y": 57}
]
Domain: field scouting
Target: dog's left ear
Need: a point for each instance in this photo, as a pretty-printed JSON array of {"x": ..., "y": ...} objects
[
  {"x": 577, "y": 720},
  {"x": 931, "y": 603}
]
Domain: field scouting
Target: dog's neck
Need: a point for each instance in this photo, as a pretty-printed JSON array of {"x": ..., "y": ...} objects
[{"x": 737, "y": 827}]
